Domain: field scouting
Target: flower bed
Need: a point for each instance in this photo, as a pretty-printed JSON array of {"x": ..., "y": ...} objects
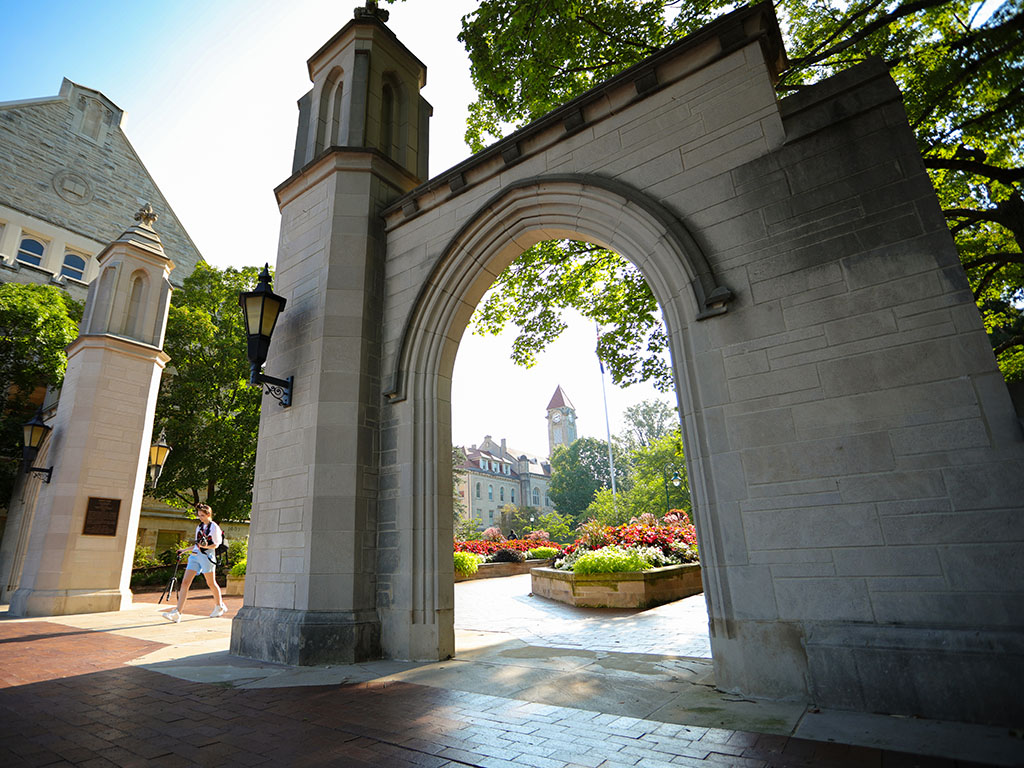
[
  {"x": 630, "y": 589},
  {"x": 482, "y": 547},
  {"x": 647, "y": 562}
]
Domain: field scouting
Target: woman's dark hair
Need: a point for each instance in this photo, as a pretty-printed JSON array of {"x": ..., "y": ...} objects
[{"x": 203, "y": 508}]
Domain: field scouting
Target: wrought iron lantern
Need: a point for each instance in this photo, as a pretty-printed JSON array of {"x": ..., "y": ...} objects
[
  {"x": 35, "y": 433},
  {"x": 158, "y": 453},
  {"x": 261, "y": 308}
]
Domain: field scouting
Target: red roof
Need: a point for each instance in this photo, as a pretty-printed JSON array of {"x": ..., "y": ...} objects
[{"x": 560, "y": 399}]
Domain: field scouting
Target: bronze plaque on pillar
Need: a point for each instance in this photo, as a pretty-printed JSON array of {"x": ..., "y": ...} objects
[{"x": 101, "y": 517}]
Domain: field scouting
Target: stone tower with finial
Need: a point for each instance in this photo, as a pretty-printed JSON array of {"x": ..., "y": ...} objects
[
  {"x": 561, "y": 420},
  {"x": 78, "y": 555},
  {"x": 313, "y": 593}
]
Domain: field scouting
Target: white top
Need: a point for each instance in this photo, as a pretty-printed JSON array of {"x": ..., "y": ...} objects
[{"x": 214, "y": 535}]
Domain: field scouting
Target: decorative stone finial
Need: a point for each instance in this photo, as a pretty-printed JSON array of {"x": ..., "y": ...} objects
[
  {"x": 146, "y": 215},
  {"x": 371, "y": 10}
]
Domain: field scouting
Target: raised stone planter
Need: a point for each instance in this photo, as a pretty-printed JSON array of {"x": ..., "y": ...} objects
[
  {"x": 235, "y": 585},
  {"x": 634, "y": 589},
  {"x": 492, "y": 570}
]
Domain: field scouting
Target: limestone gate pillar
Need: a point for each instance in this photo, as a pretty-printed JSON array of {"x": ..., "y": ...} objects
[
  {"x": 83, "y": 529},
  {"x": 310, "y": 594}
]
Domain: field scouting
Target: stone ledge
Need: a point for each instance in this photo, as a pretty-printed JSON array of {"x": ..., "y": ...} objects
[
  {"x": 494, "y": 570},
  {"x": 634, "y": 589}
]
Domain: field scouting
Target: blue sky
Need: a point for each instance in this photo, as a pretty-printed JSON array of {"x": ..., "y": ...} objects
[{"x": 209, "y": 92}]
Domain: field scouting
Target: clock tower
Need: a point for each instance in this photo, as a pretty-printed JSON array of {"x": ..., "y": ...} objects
[{"x": 561, "y": 420}]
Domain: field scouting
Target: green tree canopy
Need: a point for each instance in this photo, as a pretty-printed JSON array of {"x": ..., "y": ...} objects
[
  {"x": 961, "y": 73},
  {"x": 207, "y": 410},
  {"x": 578, "y": 472},
  {"x": 647, "y": 422},
  {"x": 650, "y": 490},
  {"x": 37, "y": 322}
]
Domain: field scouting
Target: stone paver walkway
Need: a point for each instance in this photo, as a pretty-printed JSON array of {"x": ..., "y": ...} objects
[
  {"x": 506, "y": 605},
  {"x": 84, "y": 691}
]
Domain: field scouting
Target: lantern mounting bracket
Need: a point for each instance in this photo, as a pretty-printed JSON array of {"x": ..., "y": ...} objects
[
  {"x": 44, "y": 473},
  {"x": 279, "y": 389}
]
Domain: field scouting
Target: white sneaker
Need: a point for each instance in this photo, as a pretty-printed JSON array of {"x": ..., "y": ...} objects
[
  {"x": 172, "y": 615},
  {"x": 220, "y": 610}
]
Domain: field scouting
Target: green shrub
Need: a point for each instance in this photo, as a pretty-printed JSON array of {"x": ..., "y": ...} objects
[
  {"x": 238, "y": 569},
  {"x": 143, "y": 558},
  {"x": 506, "y": 556},
  {"x": 610, "y": 560},
  {"x": 466, "y": 563},
  {"x": 238, "y": 550},
  {"x": 170, "y": 556},
  {"x": 542, "y": 553}
]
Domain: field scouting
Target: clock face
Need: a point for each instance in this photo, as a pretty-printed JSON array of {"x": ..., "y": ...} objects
[{"x": 556, "y": 418}]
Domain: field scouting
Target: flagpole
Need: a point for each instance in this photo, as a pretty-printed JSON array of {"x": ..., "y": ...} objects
[{"x": 607, "y": 426}]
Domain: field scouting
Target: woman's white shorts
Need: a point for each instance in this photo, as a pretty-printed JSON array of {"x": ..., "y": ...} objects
[{"x": 200, "y": 563}]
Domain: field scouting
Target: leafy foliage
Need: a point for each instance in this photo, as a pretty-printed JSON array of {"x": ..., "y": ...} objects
[
  {"x": 557, "y": 527},
  {"x": 458, "y": 473},
  {"x": 207, "y": 410},
  {"x": 647, "y": 422},
  {"x": 534, "y": 290},
  {"x": 667, "y": 541},
  {"x": 610, "y": 560},
  {"x": 37, "y": 322},
  {"x": 466, "y": 563},
  {"x": 143, "y": 558},
  {"x": 542, "y": 553},
  {"x": 579, "y": 471},
  {"x": 962, "y": 76},
  {"x": 506, "y": 555}
]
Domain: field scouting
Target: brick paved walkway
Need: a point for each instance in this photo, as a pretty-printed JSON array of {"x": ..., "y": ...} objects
[{"x": 67, "y": 698}]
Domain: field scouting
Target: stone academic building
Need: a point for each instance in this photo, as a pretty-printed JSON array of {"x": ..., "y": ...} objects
[{"x": 70, "y": 181}]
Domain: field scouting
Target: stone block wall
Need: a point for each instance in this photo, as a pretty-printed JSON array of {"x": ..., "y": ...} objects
[
  {"x": 855, "y": 460},
  {"x": 52, "y": 170}
]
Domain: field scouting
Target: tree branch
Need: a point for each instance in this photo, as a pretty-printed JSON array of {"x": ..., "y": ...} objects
[
  {"x": 1002, "y": 258},
  {"x": 983, "y": 283},
  {"x": 866, "y": 31},
  {"x": 1005, "y": 175},
  {"x": 1015, "y": 341}
]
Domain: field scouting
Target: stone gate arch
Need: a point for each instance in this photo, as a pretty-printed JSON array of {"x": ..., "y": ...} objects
[
  {"x": 856, "y": 459},
  {"x": 603, "y": 211}
]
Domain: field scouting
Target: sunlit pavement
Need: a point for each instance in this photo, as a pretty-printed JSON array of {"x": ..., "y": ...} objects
[{"x": 533, "y": 683}]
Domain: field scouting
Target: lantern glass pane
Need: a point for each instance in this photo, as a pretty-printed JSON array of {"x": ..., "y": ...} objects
[
  {"x": 34, "y": 435},
  {"x": 253, "y": 309},
  {"x": 270, "y": 310}
]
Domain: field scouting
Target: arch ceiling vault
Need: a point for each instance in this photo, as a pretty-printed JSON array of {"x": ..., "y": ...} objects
[{"x": 855, "y": 458}]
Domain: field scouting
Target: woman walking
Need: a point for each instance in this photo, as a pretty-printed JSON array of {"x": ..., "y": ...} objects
[{"x": 202, "y": 559}]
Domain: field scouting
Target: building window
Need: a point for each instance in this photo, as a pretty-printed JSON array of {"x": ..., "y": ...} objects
[
  {"x": 74, "y": 266},
  {"x": 512, "y": 491},
  {"x": 490, "y": 492},
  {"x": 547, "y": 501},
  {"x": 536, "y": 497},
  {"x": 31, "y": 251},
  {"x": 501, "y": 494},
  {"x": 478, "y": 490},
  {"x": 490, "y": 515},
  {"x": 483, "y": 463}
]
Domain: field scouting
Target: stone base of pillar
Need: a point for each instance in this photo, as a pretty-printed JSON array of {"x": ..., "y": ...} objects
[
  {"x": 305, "y": 638},
  {"x": 418, "y": 641},
  {"x": 64, "y": 602}
]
